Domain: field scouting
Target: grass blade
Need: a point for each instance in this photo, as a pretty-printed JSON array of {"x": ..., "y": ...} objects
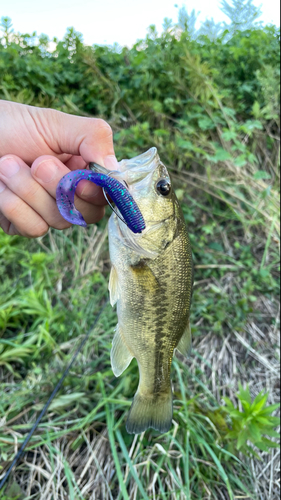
[{"x": 131, "y": 465}]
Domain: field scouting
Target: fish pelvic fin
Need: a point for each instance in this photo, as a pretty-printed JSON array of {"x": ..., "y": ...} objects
[
  {"x": 184, "y": 345},
  {"x": 151, "y": 411},
  {"x": 120, "y": 354}
]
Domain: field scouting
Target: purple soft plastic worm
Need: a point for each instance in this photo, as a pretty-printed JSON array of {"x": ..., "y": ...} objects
[{"x": 116, "y": 190}]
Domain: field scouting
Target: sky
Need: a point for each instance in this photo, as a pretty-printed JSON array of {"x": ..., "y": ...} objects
[{"x": 110, "y": 21}]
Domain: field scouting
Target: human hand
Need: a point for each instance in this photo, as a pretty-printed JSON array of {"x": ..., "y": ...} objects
[{"x": 37, "y": 148}]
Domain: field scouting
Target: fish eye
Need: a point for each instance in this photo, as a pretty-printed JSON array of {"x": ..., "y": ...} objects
[{"x": 163, "y": 187}]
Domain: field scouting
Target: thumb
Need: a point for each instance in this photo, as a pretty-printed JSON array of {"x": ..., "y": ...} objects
[{"x": 90, "y": 138}]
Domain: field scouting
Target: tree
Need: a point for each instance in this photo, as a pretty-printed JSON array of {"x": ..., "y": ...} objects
[
  {"x": 243, "y": 14},
  {"x": 187, "y": 22},
  {"x": 167, "y": 23},
  {"x": 211, "y": 29},
  {"x": 6, "y": 25}
]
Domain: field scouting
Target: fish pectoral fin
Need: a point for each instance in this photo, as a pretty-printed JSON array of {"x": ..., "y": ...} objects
[
  {"x": 120, "y": 354},
  {"x": 113, "y": 286},
  {"x": 184, "y": 345}
]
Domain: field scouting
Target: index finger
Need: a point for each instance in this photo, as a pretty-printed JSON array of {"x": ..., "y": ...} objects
[{"x": 90, "y": 138}]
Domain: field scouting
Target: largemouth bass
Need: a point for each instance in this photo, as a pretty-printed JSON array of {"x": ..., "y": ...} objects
[{"x": 151, "y": 282}]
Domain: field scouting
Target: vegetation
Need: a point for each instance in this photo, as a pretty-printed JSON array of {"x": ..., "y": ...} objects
[{"x": 210, "y": 106}]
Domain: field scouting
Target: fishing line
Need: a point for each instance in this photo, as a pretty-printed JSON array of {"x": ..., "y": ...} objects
[{"x": 55, "y": 391}]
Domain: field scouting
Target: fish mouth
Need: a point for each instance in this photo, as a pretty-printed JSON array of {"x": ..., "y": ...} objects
[
  {"x": 136, "y": 169},
  {"x": 136, "y": 174},
  {"x": 143, "y": 162}
]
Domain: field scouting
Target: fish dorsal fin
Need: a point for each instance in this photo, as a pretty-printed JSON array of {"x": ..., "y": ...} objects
[
  {"x": 120, "y": 354},
  {"x": 184, "y": 344},
  {"x": 113, "y": 286}
]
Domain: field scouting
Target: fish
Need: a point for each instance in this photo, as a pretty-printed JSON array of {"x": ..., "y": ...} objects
[{"x": 151, "y": 283}]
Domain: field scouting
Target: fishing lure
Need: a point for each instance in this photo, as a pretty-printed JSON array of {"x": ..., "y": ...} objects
[{"x": 119, "y": 194}]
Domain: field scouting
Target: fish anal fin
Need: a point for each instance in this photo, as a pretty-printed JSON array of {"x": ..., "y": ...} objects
[
  {"x": 113, "y": 286},
  {"x": 184, "y": 345},
  {"x": 120, "y": 354},
  {"x": 151, "y": 411}
]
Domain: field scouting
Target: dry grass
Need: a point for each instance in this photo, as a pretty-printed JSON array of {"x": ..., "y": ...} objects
[{"x": 250, "y": 357}]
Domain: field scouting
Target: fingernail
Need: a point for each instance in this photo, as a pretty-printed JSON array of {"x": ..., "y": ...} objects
[
  {"x": 2, "y": 186},
  {"x": 46, "y": 171},
  {"x": 111, "y": 163},
  {"x": 8, "y": 166}
]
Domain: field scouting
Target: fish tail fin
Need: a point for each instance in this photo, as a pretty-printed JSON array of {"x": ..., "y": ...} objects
[{"x": 150, "y": 411}]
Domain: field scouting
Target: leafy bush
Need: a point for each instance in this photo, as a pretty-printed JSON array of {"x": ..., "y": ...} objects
[{"x": 251, "y": 423}]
